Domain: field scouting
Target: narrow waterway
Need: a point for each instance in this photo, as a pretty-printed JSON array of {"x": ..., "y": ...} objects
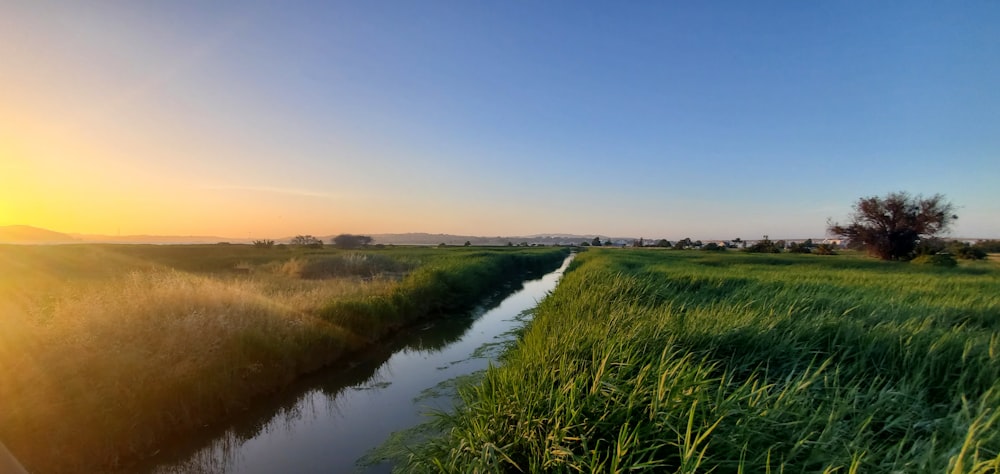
[{"x": 329, "y": 421}]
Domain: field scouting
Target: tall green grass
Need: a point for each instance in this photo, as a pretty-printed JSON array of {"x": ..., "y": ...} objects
[
  {"x": 106, "y": 352},
  {"x": 685, "y": 362}
]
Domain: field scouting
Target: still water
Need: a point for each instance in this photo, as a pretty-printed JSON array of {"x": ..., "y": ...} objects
[{"x": 329, "y": 421}]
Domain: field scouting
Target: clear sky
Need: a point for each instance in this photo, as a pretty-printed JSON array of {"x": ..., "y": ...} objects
[{"x": 655, "y": 119}]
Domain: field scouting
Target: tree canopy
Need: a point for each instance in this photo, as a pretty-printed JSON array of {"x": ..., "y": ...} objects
[
  {"x": 307, "y": 241},
  {"x": 890, "y": 227},
  {"x": 684, "y": 243},
  {"x": 351, "y": 241},
  {"x": 765, "y": 245}
]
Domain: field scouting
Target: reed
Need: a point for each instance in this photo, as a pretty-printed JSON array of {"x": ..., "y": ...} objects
[{"x": 685, "y": 362}]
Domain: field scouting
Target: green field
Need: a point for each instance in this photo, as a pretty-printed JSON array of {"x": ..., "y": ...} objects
[
  {"x": 109, "y": 351},
  {"x": 688, "y": 361}
]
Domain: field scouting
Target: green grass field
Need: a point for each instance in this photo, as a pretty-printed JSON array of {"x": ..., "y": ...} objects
[
  {"x": 687, "y": 361},
  {"x": 108, "y": 351}
]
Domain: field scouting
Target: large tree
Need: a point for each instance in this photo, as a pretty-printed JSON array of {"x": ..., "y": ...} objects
[{"x": 890, "y": 227}]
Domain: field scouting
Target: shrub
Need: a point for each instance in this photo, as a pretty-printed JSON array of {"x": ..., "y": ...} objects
[
  {"x": 804, "y": 247},
  {"x": 988, "y": 245},
  {"x": 824, "y": 249},
  {"x": 929, "y": 246},
  {"x": 764, "y": 246},
  {"x": 965, "y": 251},
  {"x": 307, "y": 241},
  {"x": 684, "y": 243},
  {"x": 263, "y": 244},
  {"x": 937, "y": 260}
]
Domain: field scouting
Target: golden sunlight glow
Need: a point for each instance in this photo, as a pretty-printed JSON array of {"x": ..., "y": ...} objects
[
  {"x": 53, "y": 177},
  {"x": 75, "y": 185},
  {"x": 55, "y": 180}
]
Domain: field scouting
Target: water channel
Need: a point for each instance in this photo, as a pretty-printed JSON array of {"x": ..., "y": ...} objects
[{"x": 329, "y": 421}]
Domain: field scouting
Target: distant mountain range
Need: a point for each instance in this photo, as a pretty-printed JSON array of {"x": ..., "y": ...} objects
[{"x": 25, "y": 234}]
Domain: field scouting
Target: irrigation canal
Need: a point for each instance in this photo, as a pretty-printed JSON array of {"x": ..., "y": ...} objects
[{"x": 332, "y": 421}]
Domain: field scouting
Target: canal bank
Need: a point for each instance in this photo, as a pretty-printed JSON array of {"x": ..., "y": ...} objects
[{"x": 329, "y": 421}]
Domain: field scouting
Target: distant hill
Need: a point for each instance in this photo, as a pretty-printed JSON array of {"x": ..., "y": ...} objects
[
  {"x": 26, "y": 234},
  {"x": 156, "y": 239}
]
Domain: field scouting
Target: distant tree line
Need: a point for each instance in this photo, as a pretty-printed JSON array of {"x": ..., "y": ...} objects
[
  {"x": 898, "y": 226},
  {"x": 342, "y": 241},
  {"x": 988, "y": 246},
  {"x": 765, "y": 245},
  {"x": 955, "y": 248}
]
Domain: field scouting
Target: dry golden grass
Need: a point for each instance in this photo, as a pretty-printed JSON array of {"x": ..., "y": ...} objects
[
  {"x": 96, "y": 366},
  {"x": 106, "y": 352}
]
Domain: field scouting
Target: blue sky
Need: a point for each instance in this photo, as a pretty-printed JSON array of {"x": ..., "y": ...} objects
[{"x": 656, "y": 119}]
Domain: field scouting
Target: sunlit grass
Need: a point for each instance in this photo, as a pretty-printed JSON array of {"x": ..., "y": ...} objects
[
  {"x": 685, "y": 362},
  {"x": 106, "y": 352}
]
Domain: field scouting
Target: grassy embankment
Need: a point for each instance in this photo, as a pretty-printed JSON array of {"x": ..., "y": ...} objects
[
  {"x": 694, "y": 362},
  {"x": 108, "y": 351}
]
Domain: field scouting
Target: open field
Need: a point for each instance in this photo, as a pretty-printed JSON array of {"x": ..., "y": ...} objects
[
  {"x": 686, "y": 361},
  {"x": 107, "y": 351}
]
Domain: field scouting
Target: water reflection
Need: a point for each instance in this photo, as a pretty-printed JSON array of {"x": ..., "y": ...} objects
[{"x": 326, "y": 421}]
